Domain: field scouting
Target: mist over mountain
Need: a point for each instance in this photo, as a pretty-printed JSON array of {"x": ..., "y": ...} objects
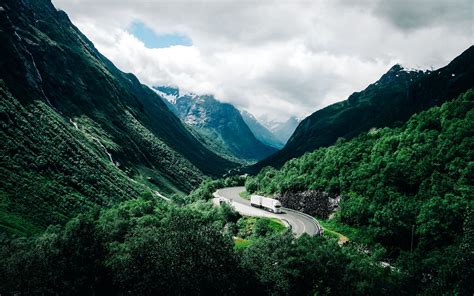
[
  {"x": 283, "y": 129},
  {"x": 219, "y": 125},
  {"x": 391, "y": 100},
  {"x": 260, "y": 131}
]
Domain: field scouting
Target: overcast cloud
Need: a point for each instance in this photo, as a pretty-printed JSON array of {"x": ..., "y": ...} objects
[{"x": 276, "y": 58}]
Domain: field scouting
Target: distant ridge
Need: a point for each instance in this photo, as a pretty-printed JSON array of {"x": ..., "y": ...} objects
[
  {"x": 220, "y": 126},
  {"x": 391, "y": 100}
]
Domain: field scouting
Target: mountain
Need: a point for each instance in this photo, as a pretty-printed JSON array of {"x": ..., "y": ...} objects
[
  {"x": 260, "y": 131},
  {"x": 391, "y": 100},
  {"x": 219, "y": 125},
  {"x": 283, "y": 130},
  {"x": 75, "y": 130}
]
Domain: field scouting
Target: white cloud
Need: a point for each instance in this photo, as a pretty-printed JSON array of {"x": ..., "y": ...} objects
[{"x": 276, "y": 58}]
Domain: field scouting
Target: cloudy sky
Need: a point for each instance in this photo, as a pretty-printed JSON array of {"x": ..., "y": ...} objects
[{"x": 273, "y": 58}]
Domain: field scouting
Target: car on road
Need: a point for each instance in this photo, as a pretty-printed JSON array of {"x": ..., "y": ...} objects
[{"x": 266, "y": 203}]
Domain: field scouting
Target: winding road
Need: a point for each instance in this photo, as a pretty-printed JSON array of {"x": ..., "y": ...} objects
[{"x": 299, "y": 222}]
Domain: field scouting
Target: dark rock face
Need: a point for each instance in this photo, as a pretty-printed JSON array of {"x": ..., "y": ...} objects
[{"x": 314, "y": 203}]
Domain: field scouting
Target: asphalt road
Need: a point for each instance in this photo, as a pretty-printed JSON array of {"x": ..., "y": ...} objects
[{"x": 300, "y": 223}]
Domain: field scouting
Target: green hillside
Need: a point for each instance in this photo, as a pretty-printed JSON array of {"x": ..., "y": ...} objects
[
  {"x": 75, "y": 130},
  {"x": 418, "y": 177}
]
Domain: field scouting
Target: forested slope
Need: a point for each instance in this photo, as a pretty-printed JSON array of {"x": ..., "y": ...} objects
[
  {"x": 418, "y": 177},
  {"x": 75, "y": 129},
  {"x": 150, "y": 247}
]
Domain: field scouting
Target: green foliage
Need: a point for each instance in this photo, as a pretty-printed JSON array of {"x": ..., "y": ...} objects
[
  {"x": 242, "y": 243},
  {"x": 264, "y": 227},
  {"x": 314, "y": 265},
  {"x": 75, "y": 129},
  {"x": 416, "y": 178},
  {"x": 362, "y": 236},
  {"x": 355, "y": 209},
  {"x": 183, "y": 256},
  {"x": 209, "y": 186},
  {"x": 137, "y": 247},
  {"x": 61, "y": 260},
  {"x": 50, "y": 174},
  {"x": 254, "y": 227},
  {"x": 149, "y": 247},
  {"x": 146, "y": 247}
]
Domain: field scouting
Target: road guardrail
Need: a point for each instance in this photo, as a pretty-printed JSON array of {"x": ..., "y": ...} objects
[{"x": 314, "y": 220}]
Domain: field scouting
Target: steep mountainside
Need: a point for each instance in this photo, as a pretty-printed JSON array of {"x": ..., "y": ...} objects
[
  {"x": 261, "y": 132},
  {"x": 220, "y": 125},
  {"x": 75, "y": 129},
  {"x": 396, "y": 96}
]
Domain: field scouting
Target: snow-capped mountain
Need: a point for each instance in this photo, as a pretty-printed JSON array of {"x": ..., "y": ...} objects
[
  {"x": 260, "y": 131},
  {"x": 218, "y": 125},
  {"x": 282, "y": 130}
]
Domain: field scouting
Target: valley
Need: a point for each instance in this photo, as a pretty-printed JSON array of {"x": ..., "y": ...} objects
[
  {"x": 110, "y": 186},
  {"x": 219, "y": 126}
]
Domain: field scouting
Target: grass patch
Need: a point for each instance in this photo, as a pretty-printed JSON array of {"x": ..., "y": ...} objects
[
  {"x": 245, "y": 195},
  {"x": 242, "y": 243},
  {"x": 332, "y": 234},
  {"x": 249, "y": 228},
  {"x": 333, "y": 228},
  {"x": 275, "y": 224}
]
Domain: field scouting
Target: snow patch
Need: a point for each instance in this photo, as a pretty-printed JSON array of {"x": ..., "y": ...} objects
[
  {"x": 169, "y": 98},
  {"x": 416, "y": 70}
]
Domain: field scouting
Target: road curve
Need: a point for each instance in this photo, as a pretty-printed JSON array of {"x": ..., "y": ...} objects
[{"x": 299, "y": 222}]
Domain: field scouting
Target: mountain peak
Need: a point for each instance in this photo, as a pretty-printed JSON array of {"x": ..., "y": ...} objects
[
  {"x": 220, "y": 126},
  {"x": 396, "y": 96},
  {"x": 395, "y": 68},
  {"x": 262, "y": 133},
  {"x": 168, "y": 92},
  {"x": 398, "y": 71}
]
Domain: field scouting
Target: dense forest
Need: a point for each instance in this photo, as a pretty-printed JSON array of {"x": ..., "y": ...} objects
[
  {"x": 409, "y": 189},
  {"x": 147, "y": 247}
]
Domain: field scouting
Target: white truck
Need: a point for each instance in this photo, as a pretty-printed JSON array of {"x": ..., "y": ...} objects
[{"x": 266, "y": 203}]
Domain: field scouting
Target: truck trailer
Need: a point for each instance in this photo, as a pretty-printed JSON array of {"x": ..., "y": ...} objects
[{"x": 269, "y": 204}]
